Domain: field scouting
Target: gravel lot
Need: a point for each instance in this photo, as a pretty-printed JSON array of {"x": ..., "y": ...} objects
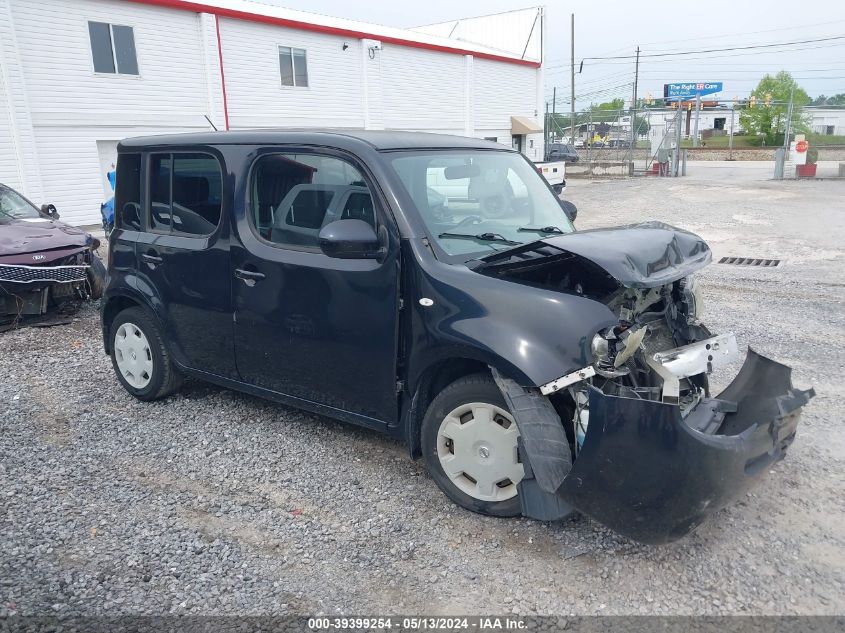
[{"x": 213, "y": 502}]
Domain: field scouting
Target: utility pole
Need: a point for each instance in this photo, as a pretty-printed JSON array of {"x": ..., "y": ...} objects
[
  {"x": 788, "y": 128},
  {"x": 554, "y": 112},
  {"x": 546, "y": 130},
  {"x": 697, "y": 110},
  {"x": 572, "y": 83},
  {"x": 634, "y": 102}
]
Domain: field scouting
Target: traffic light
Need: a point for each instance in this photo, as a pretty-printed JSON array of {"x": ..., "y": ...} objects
[{"x": 752, "y": 101}]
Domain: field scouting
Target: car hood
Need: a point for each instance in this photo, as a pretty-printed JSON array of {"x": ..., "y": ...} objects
[
  {"x": 643, "y": 255},
  {"x": 18, "y": 237}
]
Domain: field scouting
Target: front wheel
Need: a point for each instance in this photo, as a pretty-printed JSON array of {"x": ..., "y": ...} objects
[
  {"x": 96, "y": 276},
  {"x": 139, "y": 357},
  {"x": 469, "y": 439}
]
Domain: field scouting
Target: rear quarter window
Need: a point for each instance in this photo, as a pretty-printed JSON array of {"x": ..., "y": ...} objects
[
  {"x": 127, "y": 193},
  {"x": 186, "y": 194}
]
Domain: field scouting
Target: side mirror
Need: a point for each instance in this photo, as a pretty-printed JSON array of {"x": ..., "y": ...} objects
[
  {"x": 50, "y": 211},
  {"x": 350, "y": 239},
  {"x": 569, "y": 209}
]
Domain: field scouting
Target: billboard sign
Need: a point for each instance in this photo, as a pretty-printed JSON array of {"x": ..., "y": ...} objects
[{"x": 687, "y": 91}]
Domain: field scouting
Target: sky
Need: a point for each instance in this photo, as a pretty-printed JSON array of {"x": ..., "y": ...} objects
[{"x": 613, "y": 28}]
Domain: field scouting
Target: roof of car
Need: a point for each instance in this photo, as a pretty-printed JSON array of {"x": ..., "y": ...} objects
[{"x": 380, "y": 140}]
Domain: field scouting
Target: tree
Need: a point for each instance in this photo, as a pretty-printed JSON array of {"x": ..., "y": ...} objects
[
  {"x": 766, "y": 111},
  {"x": 835, "y": 100}
]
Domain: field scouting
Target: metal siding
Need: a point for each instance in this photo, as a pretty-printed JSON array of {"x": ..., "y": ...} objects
[
  {"x": 72, "y": 107},
  {"x": 254, "y": 89},
  {"x": 502, "y": 91},
  {"x": 19, "y": 165},
  {"x": 515, "y": 33},
  {"x": 423, "y": 90},
  {"x": 9, "y": 172},
  {"x": 63, "y": 108}
]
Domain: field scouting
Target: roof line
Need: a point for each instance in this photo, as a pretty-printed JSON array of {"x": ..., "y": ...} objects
[
  {"x": 473, "y": 17},
  {"x": 198, "y": 7}
]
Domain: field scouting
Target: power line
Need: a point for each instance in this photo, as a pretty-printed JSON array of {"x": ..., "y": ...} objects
[
  {"x": 626, "y": 60},
  {"x": 721, "y": 50},
  {"x": 713, "y": 37}
]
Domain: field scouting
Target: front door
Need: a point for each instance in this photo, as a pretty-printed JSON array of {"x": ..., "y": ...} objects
[
  {"x": 314, "y": 328},
  {"x": 183, "y": 257},
  {"x": 517, "y": 141}
]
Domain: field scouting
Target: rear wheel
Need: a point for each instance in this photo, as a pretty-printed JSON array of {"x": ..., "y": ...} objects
[
  {"x": 139, "y": 357},
  {"x": 469, "y": 439}
]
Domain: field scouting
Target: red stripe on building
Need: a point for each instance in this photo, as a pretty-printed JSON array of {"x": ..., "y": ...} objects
[
  {"x": 222, "y": 74},
  {"x": 197, "y": 7}
]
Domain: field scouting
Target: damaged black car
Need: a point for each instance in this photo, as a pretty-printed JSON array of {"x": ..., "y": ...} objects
[
  {"x": 47, "y": 267},
  {"x": 435, "y": 288}
]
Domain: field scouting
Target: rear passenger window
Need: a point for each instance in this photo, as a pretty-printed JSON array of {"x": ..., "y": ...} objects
[
  {"x": 127, "y": 194},
  {"x": 186, "y": 194},
  {"x": 293, "y": 196}
]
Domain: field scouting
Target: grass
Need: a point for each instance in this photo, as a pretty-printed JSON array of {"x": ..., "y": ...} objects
[{"x": 744, "y": 142}]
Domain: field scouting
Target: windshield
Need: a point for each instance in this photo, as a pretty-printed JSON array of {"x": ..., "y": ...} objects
[
  {"x": 476, "y": 202},
  {"x": 13, "y": 206}
]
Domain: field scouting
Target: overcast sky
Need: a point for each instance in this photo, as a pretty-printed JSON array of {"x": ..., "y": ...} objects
[{"x": 613, "y": 27}]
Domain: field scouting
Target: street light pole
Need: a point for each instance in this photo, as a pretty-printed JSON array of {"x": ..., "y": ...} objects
[
  {"x": 731, "y": 137},
  {"x": 634, "y": 101}
]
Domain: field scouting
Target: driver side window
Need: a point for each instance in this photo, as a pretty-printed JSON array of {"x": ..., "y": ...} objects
[{"x": 293, "y": 196}]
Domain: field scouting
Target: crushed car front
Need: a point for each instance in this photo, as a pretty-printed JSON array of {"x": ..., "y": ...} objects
[
  {"x": 653, "y": 450},
  {"x": 605, "y": 326},
  {"x": 44, "y": 264}
]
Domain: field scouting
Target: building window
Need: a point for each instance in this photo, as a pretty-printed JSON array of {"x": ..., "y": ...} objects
[
  {"x": 293, "y": 66},
  {"x": 113, "y": 48}
]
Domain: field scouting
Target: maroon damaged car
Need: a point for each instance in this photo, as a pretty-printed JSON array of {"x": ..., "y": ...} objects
[{"x": 46, "y": 266}]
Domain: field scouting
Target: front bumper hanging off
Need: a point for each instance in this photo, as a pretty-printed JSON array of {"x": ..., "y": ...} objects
[{"x": 649, "y": 473}]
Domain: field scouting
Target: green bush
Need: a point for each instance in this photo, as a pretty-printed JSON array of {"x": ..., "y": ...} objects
[{"x": 812, "y": 156}]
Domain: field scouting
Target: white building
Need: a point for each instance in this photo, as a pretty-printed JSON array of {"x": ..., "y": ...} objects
[
  {"x": 77, "y": 77},
  {"x": 826, "y": 120}
]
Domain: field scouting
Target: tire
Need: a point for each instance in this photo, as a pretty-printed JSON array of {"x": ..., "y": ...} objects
[
  {"x": 476, "y": 390},
  {"x": 148, "y": 372},
  {"x": 96, "y": 276}
]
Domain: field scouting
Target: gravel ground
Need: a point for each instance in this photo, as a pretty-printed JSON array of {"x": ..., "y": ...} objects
[{"x": 214, "y": 502}]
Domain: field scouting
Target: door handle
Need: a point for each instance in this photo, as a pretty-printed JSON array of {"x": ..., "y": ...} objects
[
  {"x": 249, "y": 275},
  {"x": 152, "y": 259}
]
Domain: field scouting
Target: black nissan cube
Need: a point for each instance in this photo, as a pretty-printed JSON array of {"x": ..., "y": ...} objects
[{"x": 434, "y": 288}]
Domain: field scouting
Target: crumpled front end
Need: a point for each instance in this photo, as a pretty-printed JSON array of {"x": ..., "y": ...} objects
[
  {"x": 47, "y": 281},
  {"x": 649, "y": 469},
  {"x": 632, "y": 436},
  {"x": 650, "y": 474}
]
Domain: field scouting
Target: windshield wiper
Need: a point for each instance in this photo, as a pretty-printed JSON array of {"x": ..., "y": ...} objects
[
  {"x": 545, "y": 229},
  {"x": 481, "y": 237}
]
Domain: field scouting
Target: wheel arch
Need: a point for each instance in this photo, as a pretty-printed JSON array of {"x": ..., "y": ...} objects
[
  {"x": 114, "y": 304},
  {"x": 437, "y": 375}
]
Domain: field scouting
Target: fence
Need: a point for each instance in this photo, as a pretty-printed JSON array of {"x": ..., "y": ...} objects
[
  {"x": 602, "y": 139},
  {"x": 727, "y": 130}
]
